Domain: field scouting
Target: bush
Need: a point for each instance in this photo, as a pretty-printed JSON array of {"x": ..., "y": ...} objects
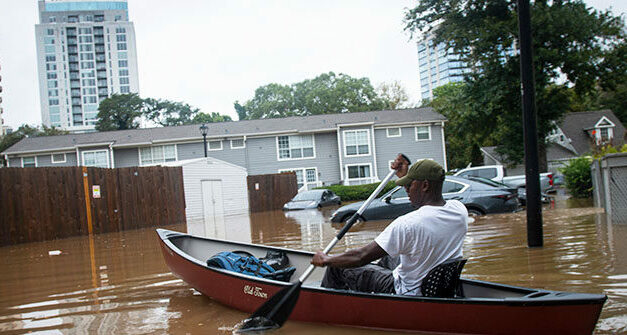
[
  {"x": 357, "y": 192},
  {"x": 578, "y": 178}
]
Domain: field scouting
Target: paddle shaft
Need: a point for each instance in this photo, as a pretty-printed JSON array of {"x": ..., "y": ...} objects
[{"x": 349, "y": 223}]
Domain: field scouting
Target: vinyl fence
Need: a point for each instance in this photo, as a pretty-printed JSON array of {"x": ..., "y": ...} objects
[{"x": 38, "y": 204}]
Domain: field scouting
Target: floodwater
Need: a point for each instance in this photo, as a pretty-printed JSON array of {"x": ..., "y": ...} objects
[{"x": 119, "y": 284}]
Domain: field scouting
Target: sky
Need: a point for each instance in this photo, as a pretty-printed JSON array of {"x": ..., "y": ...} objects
[{"x": 210, "y": 53}]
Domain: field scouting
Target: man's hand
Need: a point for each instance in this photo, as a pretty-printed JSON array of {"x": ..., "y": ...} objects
[
  {"x": 319, "y": 259},
  {"x": 401, "y": 165}
]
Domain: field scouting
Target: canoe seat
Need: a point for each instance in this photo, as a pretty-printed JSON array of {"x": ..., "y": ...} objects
[{"x": 443, "y": 280}]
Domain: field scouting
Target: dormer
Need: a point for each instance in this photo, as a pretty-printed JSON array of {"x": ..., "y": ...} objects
[{"x": 602, "y": 132}]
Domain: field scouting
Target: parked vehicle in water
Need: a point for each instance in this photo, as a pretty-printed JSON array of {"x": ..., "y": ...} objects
[
  {"x": 521, "y": 191},
  {"x": 498, "y": 174},
  {"x": 478, "y": 198},
  {"x": 312, "y": 199}
]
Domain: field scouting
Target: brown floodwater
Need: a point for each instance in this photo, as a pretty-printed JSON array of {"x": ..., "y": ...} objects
[{"x": 118, "y": 283}]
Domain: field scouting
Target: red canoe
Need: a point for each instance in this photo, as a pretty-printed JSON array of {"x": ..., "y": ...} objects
[{"x": 487, "y": 308}]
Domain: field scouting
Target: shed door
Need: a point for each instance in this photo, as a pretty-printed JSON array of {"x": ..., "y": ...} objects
[{"x": 213, "y": 207}]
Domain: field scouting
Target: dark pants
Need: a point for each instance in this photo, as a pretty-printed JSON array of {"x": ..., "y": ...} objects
[{"x": 368, "y": 278}]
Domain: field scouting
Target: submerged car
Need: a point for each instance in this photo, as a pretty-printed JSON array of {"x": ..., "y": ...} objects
[
  {"x": 312, "y": 199},
  {"x": 521, "y": 191},
  {"x": 479, "y": 199}
]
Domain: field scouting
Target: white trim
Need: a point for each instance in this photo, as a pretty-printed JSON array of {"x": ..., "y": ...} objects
[
  {"x": 243, "y": 143},
  {"x": 304, "y": 170},
  {"x": 604, "y": 118},
  {"x": 58, "y": 162},
  {"x": 98, "y": 150},
  {"x": 407, "y": 124},
  {"x": 35, "y": 157},
  {"x": 356, "y": 124},
  {"x": 313, "y": 143},
  {"x": 369, "y": 179},
  {"x": 209, "y": 145},
  {"x": 416, "y": 133},
  {"x": 387, "y": 132},
  {"x": 443, "y": 147},
  {"x": 354, "y": 131},
  {"x": 339, "y": 155},
  {"x": 374, "y": 155}
]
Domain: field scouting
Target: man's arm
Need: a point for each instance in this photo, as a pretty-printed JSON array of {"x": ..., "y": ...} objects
[{"x": 350, "y": 259}]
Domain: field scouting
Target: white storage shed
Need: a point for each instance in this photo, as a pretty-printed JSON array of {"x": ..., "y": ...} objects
[{"x": 214, "y": 190}]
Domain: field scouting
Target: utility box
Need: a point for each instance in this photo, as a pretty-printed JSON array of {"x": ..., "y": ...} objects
[{"x": 609, "y": 181}]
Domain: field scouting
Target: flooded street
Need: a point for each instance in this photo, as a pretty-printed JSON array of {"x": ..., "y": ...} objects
[{"x": 118, "y": 283}]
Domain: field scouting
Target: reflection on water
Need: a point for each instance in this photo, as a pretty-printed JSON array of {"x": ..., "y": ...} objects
[{"x": 124, "y": 287}]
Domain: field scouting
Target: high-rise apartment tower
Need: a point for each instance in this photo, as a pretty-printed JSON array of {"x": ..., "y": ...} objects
[
  {"x": 438, "y": 65},
  {"x": 85, "y": 52}
]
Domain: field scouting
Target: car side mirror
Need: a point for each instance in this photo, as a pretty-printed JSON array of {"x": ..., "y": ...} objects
[{"x": 387, "y": 199}]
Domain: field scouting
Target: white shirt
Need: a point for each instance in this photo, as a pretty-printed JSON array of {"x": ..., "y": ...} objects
[{"x": 423, "y": 239}]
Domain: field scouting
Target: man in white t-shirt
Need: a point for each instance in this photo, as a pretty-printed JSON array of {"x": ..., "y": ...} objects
[{"x": 418, "y": 241}]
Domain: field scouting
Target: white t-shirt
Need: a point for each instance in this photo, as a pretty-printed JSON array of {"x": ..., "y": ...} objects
[{"x": 423, "y": 239}]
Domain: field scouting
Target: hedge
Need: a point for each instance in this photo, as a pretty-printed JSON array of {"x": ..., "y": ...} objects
[
  {"x": 578, "y": 178},
  {"x": 357, "y": 192}
]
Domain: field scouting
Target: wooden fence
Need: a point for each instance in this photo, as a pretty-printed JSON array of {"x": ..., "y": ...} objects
[
  {"x": 268, "y": 192},
  {"x": 38, "y": 204}
]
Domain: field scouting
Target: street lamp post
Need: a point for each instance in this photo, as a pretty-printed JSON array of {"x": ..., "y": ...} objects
[{"x": 204, "y": 130}]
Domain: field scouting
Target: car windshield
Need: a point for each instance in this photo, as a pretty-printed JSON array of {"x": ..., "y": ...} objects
[
  {"x": 307, "y": 195},
  {"x": 488, "y": 182}
]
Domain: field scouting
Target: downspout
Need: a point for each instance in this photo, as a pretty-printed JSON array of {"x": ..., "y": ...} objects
[
  {"x": 374, "y": 154},
  {"x": 6, "y": 158},
  {"x": 339, "y": 154},
  {"x": 78, "y": 158},
  {"x": 246, "y": 162},
  {"x": 111, "y": 155},
  {"x": 444, "y": 147}
]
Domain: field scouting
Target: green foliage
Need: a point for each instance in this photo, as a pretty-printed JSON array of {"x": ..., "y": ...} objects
[
  {"x": 599, "y": 152},
  {"x": 25, "y": 130},
  {"x": 210, "y": 118},
  {"x": 119, "y": 111},
  {"x": 578, "y": 178},
  {"x": 357, "y": 192},
  {"x": 169, "y": 113},
  {"x": 393, "y": 94},
  {"x": 570, "y": 41},
  {"x": 327, "y": 93}
]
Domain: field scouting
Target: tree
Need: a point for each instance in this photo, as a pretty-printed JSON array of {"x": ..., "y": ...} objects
[
  {"x": 120, "y": 111},
  {"x": 570, "y": 41},
  {"x": 393, "y": 94},
  {"x": 209, "y": 118},
  {"x": 25, "y": 130},
  {"x": 169, "y": 113},
  {"x": 327, "y": 93}
]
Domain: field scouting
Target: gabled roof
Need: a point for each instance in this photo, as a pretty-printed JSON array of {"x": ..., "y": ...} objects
[
  {"x": 249, "y": 128},
  {"x": 574, "y": 126}
]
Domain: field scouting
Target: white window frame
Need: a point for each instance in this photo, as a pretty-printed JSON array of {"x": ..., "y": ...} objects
[
  {"x": 35, "y": 157},
  {"x": 400, "y": 132},
  {"x": 139, "y": 154},
  {"x": 305, "y": 186},
  {"x": 58, "y": 162},
  {"x": 209, "y": 145},
  {"x": 368, "y": 180},
  {"x": 94, "y": 151},
  {"x": 313, "y": 145},
  {"x": 243, "y": 143},
  {"x": 355, "y": 131},
  {"x": 416, "y": 133}
]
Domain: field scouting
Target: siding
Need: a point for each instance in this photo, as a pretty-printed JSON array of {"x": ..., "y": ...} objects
[{"x": 126, "y": 157}]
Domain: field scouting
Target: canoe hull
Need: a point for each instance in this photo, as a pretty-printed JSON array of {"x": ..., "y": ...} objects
[{"x": 462, "y": 316}]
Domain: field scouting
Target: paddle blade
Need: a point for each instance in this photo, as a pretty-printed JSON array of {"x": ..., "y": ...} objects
[{"x": 274, "y": 312}]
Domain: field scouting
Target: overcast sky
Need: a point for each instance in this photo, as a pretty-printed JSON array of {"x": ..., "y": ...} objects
[{"x": 209, "y": 53}]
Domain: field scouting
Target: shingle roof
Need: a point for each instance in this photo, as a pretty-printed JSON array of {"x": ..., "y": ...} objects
[
  {"x": 146, "y": 136},
  {"x": 574, "y": 124}
]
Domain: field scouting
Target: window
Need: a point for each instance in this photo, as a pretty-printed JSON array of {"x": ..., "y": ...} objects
[
  {"x": 122, "y": 55},
  {"x": 157, "y": 154},
  {"x": 124, "y": 72},
  {"x": 96, "y": 158},
  {"x": 452, "y": 187},
  {"x": 125, "y": 89},
  {"x": 85, "y": 39},
  {"x": 214, "y": 145},
  {"x": 52, "y": 19},
  {"x": 53, "y": 102},
  {"x": 122, "y": 63},
  {"x": 49, "y": 32},
  {"x": 86, "y": 47},
  {"x": 356, "y": 142},
  {"x": 120, "y": 30},
  {"x": 393, "y": 132},
  {"x": 358, "y": 174},
  {"x": 295, "y": 147},
  {"x": 238, "y": 143},
  {"x": 51, "y": 67},
  {"x": 53, "y": 93},
  {"x": 120, "y": 38},
  {"x": 124, "y": 81},
  {"x": 58, "y": 158},
  {"x": 29, "y": 161},
  {"x": 307, "y": 177},
  {"x": 423, "y": 133},
  {"x": 121, "y": 46}
]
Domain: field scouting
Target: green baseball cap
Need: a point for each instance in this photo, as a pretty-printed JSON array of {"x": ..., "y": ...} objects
[{"x": 424, "y": 169}]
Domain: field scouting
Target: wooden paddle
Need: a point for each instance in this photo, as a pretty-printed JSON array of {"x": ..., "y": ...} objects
[{"x": 274, "y": 312}]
